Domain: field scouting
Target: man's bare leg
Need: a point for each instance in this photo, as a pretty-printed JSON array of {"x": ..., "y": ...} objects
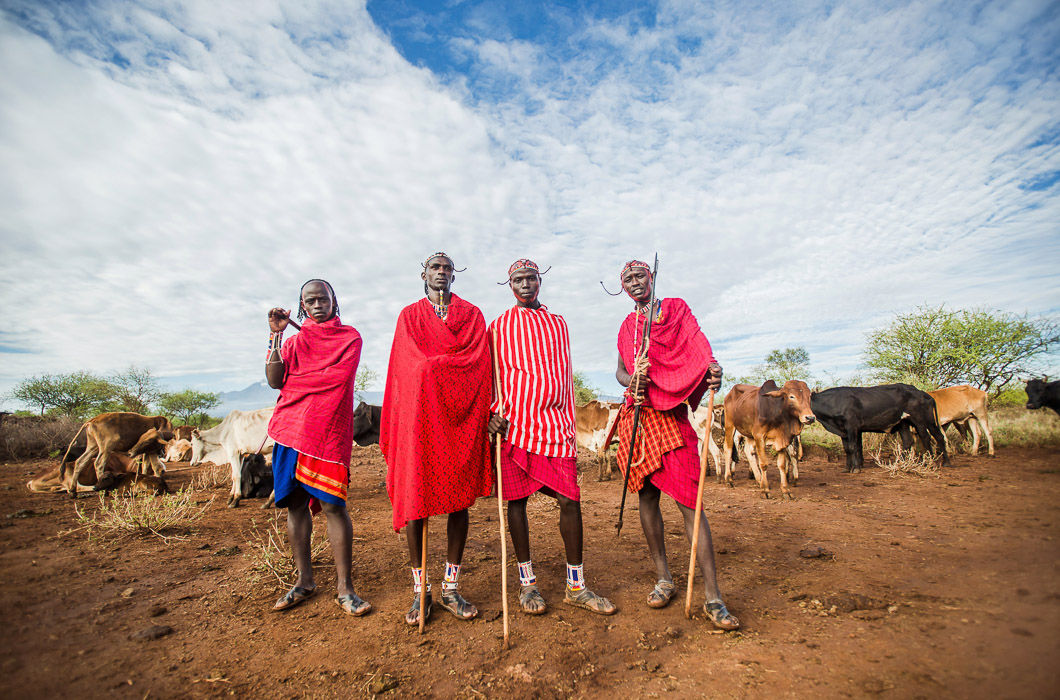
[{"x": 652, "y": 523}]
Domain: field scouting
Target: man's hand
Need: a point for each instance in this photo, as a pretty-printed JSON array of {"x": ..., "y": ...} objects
[
  {"x": 638, "y": 385},
  {"x": 498, "y": 425},
  {"x": 278, "y": 319},
  {"x": 714, "y": 376}
]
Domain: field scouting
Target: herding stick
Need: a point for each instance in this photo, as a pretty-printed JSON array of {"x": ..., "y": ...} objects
[
  {"x": 699, "y": 506},
  {"x": 423, "y": 576},
  {"x": 500, "y": 491}
]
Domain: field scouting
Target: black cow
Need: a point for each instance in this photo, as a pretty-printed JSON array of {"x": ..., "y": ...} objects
[
  {"x": 849, "y": 411},
  {"x": 1041, "y": 392},
  {"x": 366, "y": 419}
]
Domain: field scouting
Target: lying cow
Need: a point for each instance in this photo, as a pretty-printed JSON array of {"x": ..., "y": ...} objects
[
  {"x": 767, "y": 415},
  {"x": 1042, "y": 392},
  {"x": 849, "y": 411},
  {"x": 178, "y": 451},
  {"x": 123, "y": 473},
  {"x": 366, "y": 421},
  {"x": 241, "y": 432},
  {"x": 106, "y": 434}
]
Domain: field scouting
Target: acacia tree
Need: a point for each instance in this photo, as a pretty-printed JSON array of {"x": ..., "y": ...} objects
[
  {"x": 780, "y": 366},
  {"x": 188, "y": 405},
  {"x": 936, "y": 347},
  {"x": 583, "y": 391},
  {"x": 136, "y": 389},
  {"x": 37, "y": 391},
  {"x": 365, "y": 378}
]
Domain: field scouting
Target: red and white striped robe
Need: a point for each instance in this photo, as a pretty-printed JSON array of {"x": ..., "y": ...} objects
[{"x": 534, "y": 356}]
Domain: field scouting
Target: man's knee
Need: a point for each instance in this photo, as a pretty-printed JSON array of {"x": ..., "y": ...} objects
[
  {"x": 568, "y": 506},
  {"x": 333, "y": 508}
]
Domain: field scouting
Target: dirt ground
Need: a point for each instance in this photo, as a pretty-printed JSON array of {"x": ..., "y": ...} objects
[{"x": 926, "y": 587}]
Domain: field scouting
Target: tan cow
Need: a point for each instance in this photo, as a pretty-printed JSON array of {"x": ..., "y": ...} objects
[
  {"x": 965, "y": 407},
  {"x": 768, "y": 415},
  {"x": 178, "y": 451},
  {"x": 106, "y": 434},
  {"x": 120, "y": 476},
  {"x": 592, "y": 422},
  {"x": 183, "y": 432}
]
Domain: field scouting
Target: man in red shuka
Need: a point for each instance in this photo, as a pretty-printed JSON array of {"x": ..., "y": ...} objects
[
  {"x": 680, "y": 368},
  {"x": 539, "y": 452},
  {"x": 433, "y": 424}
]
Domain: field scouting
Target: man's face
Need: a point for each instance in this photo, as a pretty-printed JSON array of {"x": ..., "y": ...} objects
[
  {"x": 316, "y": 300},
  {"x": 637, "y": 283},
  {"x": 526, "y": 284},
  {"x": 439, "y": 274}
]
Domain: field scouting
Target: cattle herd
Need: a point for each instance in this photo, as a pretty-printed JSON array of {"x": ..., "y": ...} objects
[{"x": 128, "y": 451}]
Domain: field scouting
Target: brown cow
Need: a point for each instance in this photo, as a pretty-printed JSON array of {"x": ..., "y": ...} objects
[
  {"x": 120, "y": 476},
  {"x": 768, "y": 415},
  {"x": 591, "y": 424},
  {"x": 965, "y": 407},
  {"x": 183, "y": 432},
  {"x": 178, "y": 451},
  {"x": 106, "y": 434}
]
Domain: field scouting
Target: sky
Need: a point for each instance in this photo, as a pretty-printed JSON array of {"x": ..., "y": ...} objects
[{"x": 169, "y": 171}]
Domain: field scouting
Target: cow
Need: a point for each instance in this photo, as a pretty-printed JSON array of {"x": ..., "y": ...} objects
[
  {"x": 767, "y": 415},
  {"x": 366, "y": 421},
  {"x": 178, "y": 451},
  {"x": 964, "y": 407},
  {"x": 592, "y": 423},
  {"x": 105, "y": 434},
  {"x": 1042, "y": 392},
  {"x": 148, "y": 450},
  {"x": 123, "y": 473},
  {"x": 183, "y": 432},
  {"x": 241, "y": 432},
  {"x": 849, "y": 411}
]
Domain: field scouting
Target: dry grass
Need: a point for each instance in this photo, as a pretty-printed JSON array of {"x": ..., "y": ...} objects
[
  {"x": 212, "y": 476},
  {"x": 890, "y": 457},
  {"x": 272, "y": 554},
  {"x": 25, "y": 437},
  {"x": 165, "y": 517}
]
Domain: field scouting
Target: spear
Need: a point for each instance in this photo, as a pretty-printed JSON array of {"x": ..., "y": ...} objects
[{"x": 641, "y": 353}]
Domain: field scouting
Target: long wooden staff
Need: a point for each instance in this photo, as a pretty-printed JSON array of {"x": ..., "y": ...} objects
[
  {"x": 699, "y": 507},
  {"x": 423, "y": 576},
  {"x": 636, "y": 408},
  {"x": 500, "y": 491}
]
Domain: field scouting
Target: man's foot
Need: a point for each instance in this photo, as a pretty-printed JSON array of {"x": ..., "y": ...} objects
[
  {"x": 296, "y": 596},
  {"x": 531, "y": 600},
  {"x": 662, "y": 594},
  {"x": 720, "y": 616},
  {"x": 412, "y": 617},
  {"x": 590, "y": 601},
  {"x": 352, "y": 604},
  {"x": 455, "y": 603}
]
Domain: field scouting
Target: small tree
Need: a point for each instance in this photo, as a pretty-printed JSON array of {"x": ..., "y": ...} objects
[
  {"x": 934, "y": 347},
  {"x": 365, "y": 378},
  {"x": 189, "y": 406},
  {"x": 780, "y": 366},
  {"x": 136, "y": 388},
  {"x": 583, "y": 391},
  {"x": 37, "y": 391},
  {"x": 82, "y": 394}
]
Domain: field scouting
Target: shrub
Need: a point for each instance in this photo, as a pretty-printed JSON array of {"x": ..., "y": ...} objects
[
  {"x": 160, "y": 516},
  {"x": 27, "y": 437}
]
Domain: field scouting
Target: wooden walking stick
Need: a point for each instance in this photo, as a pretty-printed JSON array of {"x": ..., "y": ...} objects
[
  {"x": 423, "y": 576},
  {"x": 642, "y": 353},
  {"x": 500, "y": 492},
  {"x": 699, "y": 506}
]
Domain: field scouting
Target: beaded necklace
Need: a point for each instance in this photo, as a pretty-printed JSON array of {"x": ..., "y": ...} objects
[{"x": 440, "y": 310}]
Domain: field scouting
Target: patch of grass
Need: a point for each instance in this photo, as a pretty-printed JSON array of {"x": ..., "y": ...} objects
[
  {"x": 1017, "y": 426},
  {"x": 890, "y": 457},
  {"x": 164, "y": 517},
  {"x": 212, "y": 476},
  {"x": 272, "y": 553}
]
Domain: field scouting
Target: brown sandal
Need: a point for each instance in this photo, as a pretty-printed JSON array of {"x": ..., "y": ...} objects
[
  {"x": 662, "y": 594},
  {"x": 590, "y": 601},
  {"x": 296, "y": 596},
  {"x": 720, "y": 616}
]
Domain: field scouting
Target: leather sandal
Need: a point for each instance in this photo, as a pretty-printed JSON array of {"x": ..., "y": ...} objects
[
  {"x": 353, "y": 604},
  {"x": 590, "y": 601},
  {"x": 720, "y": 616},
  {"x": 530, "y": 594},
  {"x": 455, "y": 603},
  {"x": 296, "y": 596},
  {"x": 412, "y": 617},
  {"x": 662, "y": 594}
]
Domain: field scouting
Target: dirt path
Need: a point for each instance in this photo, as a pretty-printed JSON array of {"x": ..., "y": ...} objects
[{"x": 929, "y": 588}]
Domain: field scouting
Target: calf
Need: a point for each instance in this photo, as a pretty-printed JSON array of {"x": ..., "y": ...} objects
[
  {"x": 1042, "y": 392},
  {"x": 767, "y": 415},
  {"x": 592, "y": 426},
  {"x": 849, "y": 411}
]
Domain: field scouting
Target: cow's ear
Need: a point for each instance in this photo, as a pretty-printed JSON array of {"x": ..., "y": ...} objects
[{"x": 775, "y": 394}]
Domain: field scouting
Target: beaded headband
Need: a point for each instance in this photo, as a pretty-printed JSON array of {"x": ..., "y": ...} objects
[
  {"x": 524, "y": 264},
  {"x": 440, "y": 254},
  {"x": 634, "y": 263}
]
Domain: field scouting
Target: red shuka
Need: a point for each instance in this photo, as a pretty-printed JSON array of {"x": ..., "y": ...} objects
[
  {"x": 678, "y": 352},
  {"x": 435, "y": 411}
]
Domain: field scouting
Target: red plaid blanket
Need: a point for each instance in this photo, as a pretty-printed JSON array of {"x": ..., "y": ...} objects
[{"x": 657, "y": 434}]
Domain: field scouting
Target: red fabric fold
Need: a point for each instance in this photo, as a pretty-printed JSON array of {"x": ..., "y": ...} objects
[
  {"x": 678, "y": 352},
  {"x": 435, "y": 410},
  {"x": 314, "y": 414}
]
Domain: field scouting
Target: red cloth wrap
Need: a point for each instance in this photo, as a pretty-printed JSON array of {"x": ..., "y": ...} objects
[
  {"x": 678, "y": 352},
  {"x": 314, "y": 414},
  {"x": 525, "y": 473},
  {"x": 435, "y": 411}
]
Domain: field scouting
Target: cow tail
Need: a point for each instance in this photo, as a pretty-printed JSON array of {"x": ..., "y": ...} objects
[{"x": 71, "y": 445}]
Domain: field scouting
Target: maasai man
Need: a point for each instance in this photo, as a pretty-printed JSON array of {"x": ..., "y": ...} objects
[
  {"x": 313, "y": 429},
  {"x": 539, "y": 452},
  {"x": 433, "y": 426},
  {"x": 682, "y": 368}
]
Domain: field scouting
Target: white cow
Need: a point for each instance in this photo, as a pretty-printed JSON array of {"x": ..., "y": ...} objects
[{"x": 241, "y": 432}]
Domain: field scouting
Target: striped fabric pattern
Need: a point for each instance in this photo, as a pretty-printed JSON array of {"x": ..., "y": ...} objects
[{"x": 534, "y": 356}]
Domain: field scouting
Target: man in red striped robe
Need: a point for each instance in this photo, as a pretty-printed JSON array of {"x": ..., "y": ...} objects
[
  {"x": 433, "y": 425},
  {"x": 680, "y": 368},
  {"x": 537, "y": 420}
]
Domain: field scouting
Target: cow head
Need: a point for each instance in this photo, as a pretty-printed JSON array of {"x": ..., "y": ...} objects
[
  {"x": 151, "y": 442},
  {"x": 796, "y": 398},
  {"x": 161, "y": 423},
  {"x": 1035, "y": 392},
  {"x": 362, "y": 419},
  {"x": 198, "y": 448}
]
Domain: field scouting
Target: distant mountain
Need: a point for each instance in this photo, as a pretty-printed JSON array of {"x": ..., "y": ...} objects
[{"x": 261, "y": 395}]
